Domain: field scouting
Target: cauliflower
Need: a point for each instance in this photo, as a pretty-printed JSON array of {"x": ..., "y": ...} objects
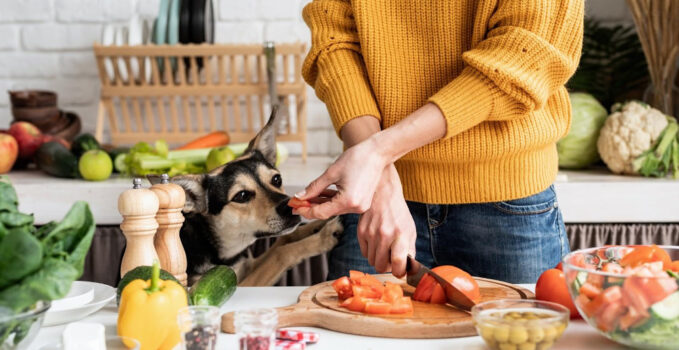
[{"x": 630, "y": 131}]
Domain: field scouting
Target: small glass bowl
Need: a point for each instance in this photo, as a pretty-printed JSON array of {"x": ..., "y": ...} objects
[
  {"x": 512, "y": 324},
  {"x": 17, "y": 331}
]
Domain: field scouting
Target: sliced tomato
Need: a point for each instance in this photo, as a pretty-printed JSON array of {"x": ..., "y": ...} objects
[
  {"x": 654, "y": 289},
  {"x": 343, "y": 288},
  {"x": 357, "y": 304},
  {"x": 612, "y": 267},
  {"x": 590, "y": 290},
  {"x": 633, "y": 296},
  {"x": 377, "y": 307},
  {"x": 439, "y": 295},
  {"x": 365, "y": 292},
  {"x": 461, "y": 280},
  {"x": 600, "y": 303},
  {"x": 645, "y": 254},
  {"x": 392, "y": 292},
  {"x": 424, "y": 289},
  {"x": 595, "y": 280},
  {"x": 608, "y": 320},
  {"x": 401, "y": 306},
  {"x": 346, "y": 302},
  {"x": 369, "y": 280},
  {"x": 674, "y": 266},
  {"x": 355, "y": 276},
  {"x": 295, "y": 202},
  {"x": 633, "y": 318}
]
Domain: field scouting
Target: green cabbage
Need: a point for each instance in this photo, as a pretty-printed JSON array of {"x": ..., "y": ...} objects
[{"x": 578, "y": 149}]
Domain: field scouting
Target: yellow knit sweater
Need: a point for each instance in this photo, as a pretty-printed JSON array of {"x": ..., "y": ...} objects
[{"x": 495, "y": 68}]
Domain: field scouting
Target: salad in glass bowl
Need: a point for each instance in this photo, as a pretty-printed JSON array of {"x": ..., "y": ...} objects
[{"x": 629, "y": 293}]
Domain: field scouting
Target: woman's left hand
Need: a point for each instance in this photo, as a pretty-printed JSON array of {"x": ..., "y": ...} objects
[{"x": 355, "y": 173}]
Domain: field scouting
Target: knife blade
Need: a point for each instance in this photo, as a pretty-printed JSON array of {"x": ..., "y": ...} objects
[{"x": 415, "y": 271}]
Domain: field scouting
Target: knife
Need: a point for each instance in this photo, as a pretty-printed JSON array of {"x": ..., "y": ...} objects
[{"x": 454, "y": 296}]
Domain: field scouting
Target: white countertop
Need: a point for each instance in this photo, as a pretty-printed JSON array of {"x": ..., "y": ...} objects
[
  {"x": 578, "y": 335},
  {"x": 591, "y": 196}
]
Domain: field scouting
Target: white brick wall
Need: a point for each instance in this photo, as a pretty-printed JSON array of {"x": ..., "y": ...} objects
[{"x": 46, "y": 44}]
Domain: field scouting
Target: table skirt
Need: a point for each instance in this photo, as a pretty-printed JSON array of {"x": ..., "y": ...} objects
[{"x": 103, "y": 261}]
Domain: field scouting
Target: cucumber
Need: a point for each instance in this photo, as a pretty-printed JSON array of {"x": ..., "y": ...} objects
[
  {"x": 215, "y": 287},
  {"x": 84, "y": 143},
  {"x": 668, "y": 308},
  {"x": 140, "y": 273},
  {"x": 580, "y": 279},
  {"x": 55, "y": 159}
]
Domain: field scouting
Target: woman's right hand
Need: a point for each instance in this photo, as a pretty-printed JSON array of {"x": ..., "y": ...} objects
[{"x": 356, "y": 174}]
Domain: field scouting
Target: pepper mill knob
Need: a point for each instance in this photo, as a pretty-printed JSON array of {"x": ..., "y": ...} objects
[
  {"x": 138, "y": 206},
  {"x": 168, "y": 244}
]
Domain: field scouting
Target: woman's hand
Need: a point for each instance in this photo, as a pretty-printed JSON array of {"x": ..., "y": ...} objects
[
  {"x": 356, "y": 174},
  {"x": 386, "y": 231}
]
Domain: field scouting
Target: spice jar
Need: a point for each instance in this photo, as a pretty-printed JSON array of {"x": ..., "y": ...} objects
[
  {"x": 256, "y": 329},
  {"x": 199, "y": 326}
]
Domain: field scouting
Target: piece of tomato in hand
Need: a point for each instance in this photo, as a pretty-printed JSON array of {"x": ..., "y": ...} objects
[{"x": 295, "y": 203}]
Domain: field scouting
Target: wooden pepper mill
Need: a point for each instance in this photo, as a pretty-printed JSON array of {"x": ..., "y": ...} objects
[
  {"x": 138, "y": 206},
  {"x": 171, "y": 198}
]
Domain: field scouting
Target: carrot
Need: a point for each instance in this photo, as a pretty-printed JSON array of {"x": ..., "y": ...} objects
[{"x": 213, "y": 139}]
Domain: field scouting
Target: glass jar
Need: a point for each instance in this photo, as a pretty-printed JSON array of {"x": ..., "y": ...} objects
[
  {"x": 199, "y": 326},
  {"x": 256, "y": 329}
]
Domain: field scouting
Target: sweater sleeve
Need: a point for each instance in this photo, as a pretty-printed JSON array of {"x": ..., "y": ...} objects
[
  {"x": 334, "y": 65},
  {"x": 531, "y": 49}
]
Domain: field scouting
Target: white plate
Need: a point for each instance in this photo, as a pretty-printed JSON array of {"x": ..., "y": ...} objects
[
  {"x": 135, "y": 36},
  {"x": 79, "y": 295},
  {"x": 108, "y": 38},
  {"x": 121, "y": 39},
  {"x": 103, "y": 294}
]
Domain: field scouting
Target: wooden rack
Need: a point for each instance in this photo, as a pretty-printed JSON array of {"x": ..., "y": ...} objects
[{"x": 179, "y": 104}]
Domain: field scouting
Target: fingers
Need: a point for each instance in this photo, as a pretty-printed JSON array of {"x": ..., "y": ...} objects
[
  {"x": 399, "y": 252},
  {"x": 316, "y": 187},
  {"x": 362, "y": 233},
  {"x": 383, "y": 253}
]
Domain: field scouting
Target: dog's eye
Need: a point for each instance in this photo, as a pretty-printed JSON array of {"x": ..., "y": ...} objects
[
  {"x": 276, "y": 181},
  {"x": 242, "y": 197}
]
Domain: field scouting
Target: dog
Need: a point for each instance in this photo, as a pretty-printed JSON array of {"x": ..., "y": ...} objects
[{"x": 232, "y": 206}]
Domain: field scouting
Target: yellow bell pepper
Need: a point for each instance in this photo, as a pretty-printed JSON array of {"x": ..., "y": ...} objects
[{"x": 148, "y": 312}]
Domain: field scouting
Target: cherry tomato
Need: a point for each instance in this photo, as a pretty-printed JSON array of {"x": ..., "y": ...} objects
[
  {"x": 295, "y": 202},
  {"x": 551, "y": 286}
]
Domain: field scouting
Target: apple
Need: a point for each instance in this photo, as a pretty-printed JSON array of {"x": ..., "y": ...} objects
[
  {"x": 28, "y": 137},
  {"x": 95, "y": 165},
  {"x": 218, "y": 157},
  {"x": 9, "y": 150}
]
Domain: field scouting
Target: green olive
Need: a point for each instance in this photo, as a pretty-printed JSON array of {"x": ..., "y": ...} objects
[
  {"x": 526, "y": 346},
  {"x": 545, "y": 345},
  {"x": 536, "y": 335},
  {"x": 550, "y": 334},
  {"x": 530, "y": 316},
  {"x": 502, "y": 333},
  {"x": 518, "y": 335},
  {"x": 486, "y": 331},
  {"x": 514, "y": 314},
  {"x": 560, "y": 328},
  {"x": 507, "y": 346}
]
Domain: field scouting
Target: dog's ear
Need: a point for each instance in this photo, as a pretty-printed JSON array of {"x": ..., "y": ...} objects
[
  {"x": 265, "y": 141},
  {"x": 196, "y": 200}
]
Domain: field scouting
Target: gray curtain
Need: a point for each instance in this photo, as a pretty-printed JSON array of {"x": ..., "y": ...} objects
[{"x": 103, "y": 261}]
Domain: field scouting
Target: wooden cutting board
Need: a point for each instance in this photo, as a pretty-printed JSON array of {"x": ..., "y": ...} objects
[{"x": 318, "y": 306}]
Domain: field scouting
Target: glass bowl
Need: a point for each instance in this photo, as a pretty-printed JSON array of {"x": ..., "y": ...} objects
[
  {"x": 636, "y": 305},
  {"x": 17, "y": 331},
  {"x": 520, "y": 324}
]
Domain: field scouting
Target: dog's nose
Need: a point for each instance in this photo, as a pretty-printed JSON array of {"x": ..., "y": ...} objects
[{"x": 283, "y": 209}]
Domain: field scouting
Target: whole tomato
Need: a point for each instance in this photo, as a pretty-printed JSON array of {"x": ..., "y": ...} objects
[{"x": 552, "y": 287}]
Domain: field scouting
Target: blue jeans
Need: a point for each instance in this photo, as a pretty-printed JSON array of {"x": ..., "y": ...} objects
[{"x": 512, "y": 241}]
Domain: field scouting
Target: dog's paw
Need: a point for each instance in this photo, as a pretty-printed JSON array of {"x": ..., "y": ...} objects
[
  {"x": 336, "y": 227},
  {"x": 330, "y": 234}
]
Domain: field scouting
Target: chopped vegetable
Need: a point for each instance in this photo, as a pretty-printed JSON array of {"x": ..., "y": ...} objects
[
  {"x": 361, "y": 292},
  {"x": 213, "y": 139},
  {"x": 295, "y": 202}
]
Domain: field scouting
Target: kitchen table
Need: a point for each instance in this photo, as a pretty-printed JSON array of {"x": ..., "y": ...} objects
[{"x": 578, "y": 335}]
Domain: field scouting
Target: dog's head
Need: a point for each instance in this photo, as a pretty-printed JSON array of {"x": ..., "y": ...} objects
[{"x": 244, "y": 199}]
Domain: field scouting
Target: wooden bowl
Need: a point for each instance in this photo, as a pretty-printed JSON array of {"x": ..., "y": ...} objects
[
  {"x": 41, "y": 117},
  {"x": 33, "y": 98},
  {"x": 61, "y": 124},
  {"x": 72, "y": 129}
]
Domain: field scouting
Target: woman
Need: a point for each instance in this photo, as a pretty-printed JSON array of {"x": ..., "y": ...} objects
[{"x": 449, "y": 112}]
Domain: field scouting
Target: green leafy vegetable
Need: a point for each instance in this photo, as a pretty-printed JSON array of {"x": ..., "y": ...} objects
[
  {"x": 578, "y": 149},
  {"x": 20, "y": 254},
  {"x": 658, "y": 160},
  {"x": 655, "y": 331},
  {"x": 144, "y": 159}
]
